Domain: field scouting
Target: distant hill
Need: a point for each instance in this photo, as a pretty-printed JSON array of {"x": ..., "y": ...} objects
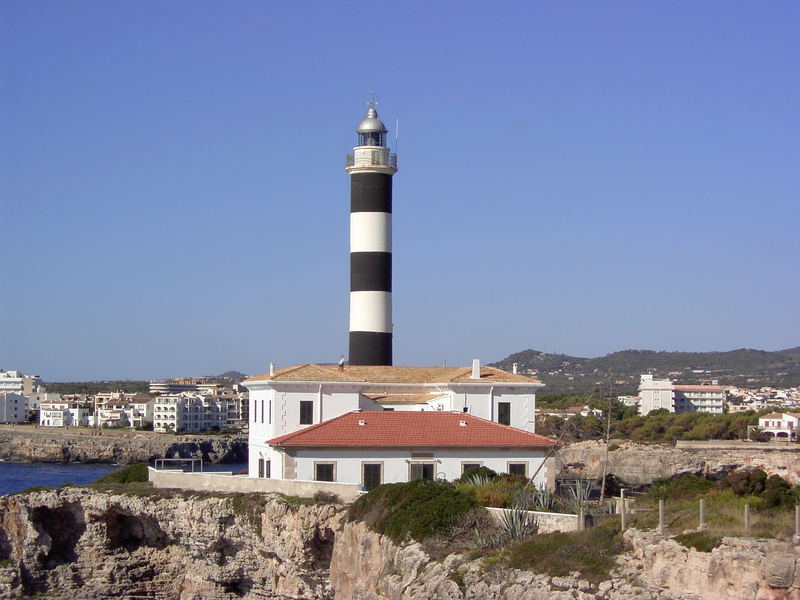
[
  {"x": 743, "y": 368},
  {"x": 232, "y": 375}
]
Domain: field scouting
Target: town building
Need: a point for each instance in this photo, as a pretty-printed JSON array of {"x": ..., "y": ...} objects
[
  {"x": 63, "y": 414},
  {"x": 781, "y": 425},
  {"x": 118, "y": 409},
  {"x": 13, "y": 407},
  {"x": 662, "y": 393},
  {"x": 192, "y": 413},
  {"x": 36, "y": 399},
  {"x": 18, "y": 383},
  {"x": 170, "y": 387}
]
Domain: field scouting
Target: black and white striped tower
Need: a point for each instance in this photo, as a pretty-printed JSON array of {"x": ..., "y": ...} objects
[{"x": 371, "y": 167}]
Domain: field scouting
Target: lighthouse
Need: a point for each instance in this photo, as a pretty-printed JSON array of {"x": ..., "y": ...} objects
[{"x": 371, "y": 167}]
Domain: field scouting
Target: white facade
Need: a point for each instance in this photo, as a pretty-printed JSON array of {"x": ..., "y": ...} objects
[
  {"x": 18, "y": 383},
  {"x": 63, "y": 414},
  {"x": 36, "y": 399},
  {"x": 13, "y": 408},
  {"x": 193, "y": 413},
  {"x": 395, "y": 465},
  {"x": 662, "y": 393},
  {"x": 134, "y": 412},
  {"x": 781, "y": 425}
]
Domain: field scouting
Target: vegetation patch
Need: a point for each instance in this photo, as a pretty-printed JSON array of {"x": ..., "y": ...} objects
[
  {"x": 590, "y": 552},
  {"x": 250, "y": 507},
  {"x": 129, "y": 474},
  {"x": 702, "y": 541},
  {"x": 418, "y": 509}
]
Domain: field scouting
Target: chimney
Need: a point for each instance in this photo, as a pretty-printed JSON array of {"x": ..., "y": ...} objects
[
  {"x": 514, "y": 368},
  {"x": 341, "y": 364},
  {"x": 476, "y": 368},
  {"x": 271, "y": 369}
]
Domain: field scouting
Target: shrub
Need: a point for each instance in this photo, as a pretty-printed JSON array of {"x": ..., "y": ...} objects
[
  {"x": 129, "y": 474},
  {"x": 680, "y": 487},
  {"x": 326, "y": 498},
  {"x": 483, "y": 473},
  {"x": 745, "y": 483},
  {"x": 702, "y": 541},
  {"x": 418, "y": 509}
]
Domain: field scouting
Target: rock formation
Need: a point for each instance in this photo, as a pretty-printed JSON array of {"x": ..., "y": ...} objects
[
  {"x": 63, "y": 445},
  {"x": 164, "y": 544},
  {"x": 640, "y": 464},
  {"x": 77, "y": 543}
]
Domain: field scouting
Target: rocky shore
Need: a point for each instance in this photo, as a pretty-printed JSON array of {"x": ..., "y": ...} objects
[
  {"x": 163, "y": 544},
  {"x": 49, "y": 444}
]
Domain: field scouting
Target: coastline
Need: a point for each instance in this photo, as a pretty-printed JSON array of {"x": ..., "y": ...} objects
[{"x": 28, "y": 443}]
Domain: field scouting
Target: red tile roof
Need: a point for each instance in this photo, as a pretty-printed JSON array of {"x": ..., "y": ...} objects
[
  {"x": 387, "y": 374},
  {"x": 413, "y": 429}
]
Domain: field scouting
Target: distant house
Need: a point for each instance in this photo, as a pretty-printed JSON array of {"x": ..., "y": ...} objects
[
  {"x": 781, "y": 425},
  {"x": 59, "y": 413},
  {"x": 428, "y": 422}
]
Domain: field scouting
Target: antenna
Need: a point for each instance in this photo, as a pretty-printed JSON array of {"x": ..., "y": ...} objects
[{"x": 396, "y": 133}]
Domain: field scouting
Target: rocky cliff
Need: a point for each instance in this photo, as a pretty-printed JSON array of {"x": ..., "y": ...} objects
[
  {"x": 640, "y": 464},
  {"x": 76, "y": 543},
  {"x": 162, "y": 544},
  {"x": 64, "y": 445}
]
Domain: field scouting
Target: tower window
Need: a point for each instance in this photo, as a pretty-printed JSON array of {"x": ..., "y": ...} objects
[
  {"x": 306, "y": 412},
  {"x": 504, "y": 413}
]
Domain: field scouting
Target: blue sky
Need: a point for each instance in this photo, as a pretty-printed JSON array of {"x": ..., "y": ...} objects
[{"x": 574, "y": 176}]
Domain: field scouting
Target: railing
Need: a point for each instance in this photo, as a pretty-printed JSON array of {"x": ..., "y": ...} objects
[{"x": 371, "y": 158}]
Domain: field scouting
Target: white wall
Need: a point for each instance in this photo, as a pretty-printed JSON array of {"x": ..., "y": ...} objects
[
  {"x": 448, "y": 463},
  {"x": 13, "y": 408}
]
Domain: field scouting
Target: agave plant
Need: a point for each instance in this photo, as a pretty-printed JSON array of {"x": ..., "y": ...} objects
[
  {"x": 478, "y": 479},
  {"x": 543, "y": 498},
  {"x": 518, "y": 524},
  {"x": 578, "y": 494}
]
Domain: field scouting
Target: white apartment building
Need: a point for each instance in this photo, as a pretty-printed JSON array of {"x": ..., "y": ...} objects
[
  {"x": 63, "y": 414},
  {"x": 125, "y": 411},
  {"x": 662, "y": 393},
  {"x": 192, "y": 413},
  {"x": 13, "y": 407},
  {"x": 18, "y": 383}
]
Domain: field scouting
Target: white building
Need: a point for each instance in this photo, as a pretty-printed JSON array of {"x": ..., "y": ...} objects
[
  {"x": 124, "y": 410},
  {"x": 63, "y": 414},
  {"x": 13, "y": 408},
  {"x": 781, "y": 425},
  {"x": 304, "y": 396},
  {"x": 18, "y": 383},
  {"x": 662, "y": 393},
  {"x": 192, "y": 413},
  {"x": 36, "y": 399}
]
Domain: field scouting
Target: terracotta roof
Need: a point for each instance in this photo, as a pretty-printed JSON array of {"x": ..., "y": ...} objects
[
  {"x": 386, "y": 374},
  {"x": 415, "y": 429},
  {"x": 779, "y": 415},
  {"x": 402, "y": 398}
]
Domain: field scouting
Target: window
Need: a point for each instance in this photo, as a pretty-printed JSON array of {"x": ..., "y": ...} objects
[
  {"x": 307, "y": 415},
  {"x": 261, "y": 467},
  {"x": 518, "y": 469},
  {"x": 422, "y": 471},
  {"x": 324, "y": 471},
  {"x": 262, "y": 411},
  {"x": 466, "y": 409},
  {"x": 504, "y": 413},
  {"x": 372, "y": 476},
  {"x": 468, "y": 465},
  {"x": 267, "y": 469}
]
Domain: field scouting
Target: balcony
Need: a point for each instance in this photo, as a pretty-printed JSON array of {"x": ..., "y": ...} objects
[{"x": 365, "y": 158}]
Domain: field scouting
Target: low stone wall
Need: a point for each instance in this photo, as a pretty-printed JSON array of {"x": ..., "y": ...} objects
[
  {"x": 735, "y": 444},
  {"x": 224, "y": 482},
  {"x": 548, "y": 522}
]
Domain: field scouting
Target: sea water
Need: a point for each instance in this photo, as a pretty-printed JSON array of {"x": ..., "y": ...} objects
[{"x": 17, "y": 476}]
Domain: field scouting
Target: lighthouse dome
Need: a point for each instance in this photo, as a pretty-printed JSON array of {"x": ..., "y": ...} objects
[{"x": 371, "y": 123}]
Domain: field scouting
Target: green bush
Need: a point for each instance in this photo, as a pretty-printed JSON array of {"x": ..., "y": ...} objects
[
  {"x": 702, "y": 541},
  {"x": 481, "y": 472},
  {"x": 680, "y": 487},
  {"x": 129, "y": 474},
  {"x": 418, "y": 509},
  {"x": 590, "y": 552}
]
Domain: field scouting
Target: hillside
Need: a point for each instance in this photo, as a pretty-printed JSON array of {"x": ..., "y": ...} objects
[{"x": 744, "y": 368}]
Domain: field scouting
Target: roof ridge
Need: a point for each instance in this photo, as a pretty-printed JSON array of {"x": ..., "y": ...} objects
[{"x": 292, "y": 369}]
